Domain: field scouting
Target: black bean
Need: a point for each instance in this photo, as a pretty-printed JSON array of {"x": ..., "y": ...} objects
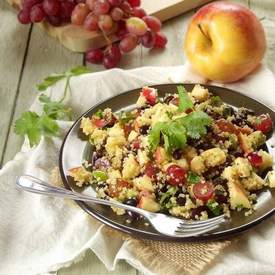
[
  {"x": 238, "y": 121},
  {"x": 219, "y": 181},
  {"x": 237, "y": 154},
  {"x": 164, "y": 189},
  {"x": 168, "y": 98},
  {"x": 221, "y": 198},
  {"x": 197, "y": 211},
  {"x": 144, "y": 129},
  {"x": 181, "y": 201},
  {"x": 177, "y": 154}
]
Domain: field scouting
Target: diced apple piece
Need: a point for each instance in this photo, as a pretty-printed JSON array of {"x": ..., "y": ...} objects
[
  {"x": 144, "y": 183},
  {"x": 270, "y": 179},
  {"x": 149, "y": 204},
  {"x": 131, "y": 167},
  {"x": 243, "y": 167},
  {"x": 267, "y": 160},
  {"x": 197, "y": 165},
  {"x": 213, "y": 157},
  {"x": 161, "y": 155},
  {"x": 238, "y": 198}
]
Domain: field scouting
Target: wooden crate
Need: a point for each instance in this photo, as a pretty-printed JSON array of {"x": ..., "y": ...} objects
[{"x": 77, "y": 39}]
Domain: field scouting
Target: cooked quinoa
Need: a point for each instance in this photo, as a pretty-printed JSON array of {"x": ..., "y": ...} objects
[{"x": 189, "y": 155}]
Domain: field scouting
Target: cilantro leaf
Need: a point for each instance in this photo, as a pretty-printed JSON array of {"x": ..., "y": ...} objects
[
  {"x": 185, "y": 101},
  {"x": 216, "y": 101},
  {"x": 154, "y": 135},
  {"x": 55, "y": 109},
  {"x": 34, "y": 126},
  {"x": 193, "y": 177},
  {"x": 79, "y": 70},
  {"x": 49, "y": 81},
  {"x": 196, "y": 123},
  {"x": 214, "y": 207},
  {"x": 125, "y": 117},
  {"x": 27, "y": 124},
  {"x": 52, "y": 79}
]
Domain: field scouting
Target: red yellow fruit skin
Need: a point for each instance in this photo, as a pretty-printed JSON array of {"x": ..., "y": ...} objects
[{"x": 224, "y": 41}]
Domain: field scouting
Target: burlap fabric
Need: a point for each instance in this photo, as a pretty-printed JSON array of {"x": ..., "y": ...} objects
[{"x": 165, "y": 258}]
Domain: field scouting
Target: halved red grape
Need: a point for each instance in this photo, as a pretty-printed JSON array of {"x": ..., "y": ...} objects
[
  {"x": 116, "y": 14},
  {"x": 136, "y": 25},
  {"x": 265, "y": 124},
  {"x": 134, "y": 3},
  {"x": 203, "y": 191},
  {"x": 51, "y": 7},
  {"x": 105, "y": 22},
  {"x": 176, "y": 174},
  {"x": 94, "y": 56},
  {"x": 101, "y": 7},
  {"x": 150, "y": 94},
  {"x": 152, "y": 22},
  {"x": 79, "y": 14},
  {"x": 148, "y": 39},
  {"x": 161, "y": 40},
  {"x": 151, "y": 170},
  {"x": 139, "y": 12},
  {"x": 255, "y": 159},
  {"x": 24, "y": 17},
  {"x": 37, "y": 13},
  {"x": 91, "y": 22},
  {"x": 128, "y": 43}
]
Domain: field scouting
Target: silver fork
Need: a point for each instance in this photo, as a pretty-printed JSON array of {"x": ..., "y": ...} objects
[{"x": 164, "y": 224}]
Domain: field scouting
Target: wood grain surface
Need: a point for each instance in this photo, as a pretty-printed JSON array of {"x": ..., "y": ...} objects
[{"x": 27, "y": 55}]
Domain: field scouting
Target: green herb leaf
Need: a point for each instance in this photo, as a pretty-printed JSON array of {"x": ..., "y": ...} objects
[
  {"x": 52, "y": 79},
  {"x": 99, "y": 113},
  {"x": 154, "y": 135},
  {"x": 193, "y": 177},
  {"x": 79, "y": 70},
  {"x": 100, "y": 175},
  {"x": 34, "y": 126},
  {"x": 196, "y": 123},
  {"x": 49, "y": 81},
  {"x": 216, "y": 101},
  {"x": 214, "y": 207},
  {"x": 55, "y": 109},
  {"x": 185, "y": 101},
  {"x": 125, "y": 117}
]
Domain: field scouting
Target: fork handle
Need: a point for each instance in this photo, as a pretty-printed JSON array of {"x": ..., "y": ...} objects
[{"x": 35, "y": 185}]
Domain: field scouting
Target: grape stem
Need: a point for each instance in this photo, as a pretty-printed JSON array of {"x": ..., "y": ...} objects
[
  {"x": 108, "y": 40},
  {"x": 203, "y": 32}
]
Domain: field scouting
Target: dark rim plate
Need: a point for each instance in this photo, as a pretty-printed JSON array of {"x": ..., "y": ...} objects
[{"x": 74, "y": 151}]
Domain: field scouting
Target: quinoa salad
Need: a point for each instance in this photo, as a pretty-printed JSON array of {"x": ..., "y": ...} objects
[{"x": 188, "y": 154}]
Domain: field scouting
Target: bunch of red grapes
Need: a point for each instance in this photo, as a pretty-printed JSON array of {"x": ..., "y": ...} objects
[
  {"x": 54, "y": 11},
  {"x": 125, "y": 18}
]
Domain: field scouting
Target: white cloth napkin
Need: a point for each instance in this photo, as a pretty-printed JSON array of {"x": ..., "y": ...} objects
[{"x": 39, "y": 234}]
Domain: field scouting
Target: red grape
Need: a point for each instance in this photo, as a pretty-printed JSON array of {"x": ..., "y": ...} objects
[
  {"x": 148, "y": 39},
  {"x": 121, "y": 29},
  {"x": 90, "y": 4},
  {"x": 66, "y": 9},
  {"x": 152, "y": 22},
  {"x": 139, "y": 12},
  {"x": 54, "y": 20},
  {"x": 125, "y": 6},
  {"x": 51, "y": 7},
  {"x": 128, "y": 43},
  {"x": 176, "y": 174},
  {"x": 101, "y": 7},
  {"x": 28, "y": 4},
  {"x": 114, "y": 3},
  {"x": 24, "y": 17},
  {"x": 116, "y": 14},
  {"x": 112, "y": 57},
  {"x": 134, "y": 3},
  {"x": 94, "y": 56},
  {"x": 79, "y": 14},
  {"x": 161, "y": 40},
  {"x": 105, "y": 22},
  {"x": 136, "y": 26},
  {"x": 37, "y": 13},
  {"x": 203, "y": 191},
  {"x": 91, "y": 22}
]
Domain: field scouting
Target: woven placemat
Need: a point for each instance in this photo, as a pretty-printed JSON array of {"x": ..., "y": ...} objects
[{"x": 164, "y": 258}]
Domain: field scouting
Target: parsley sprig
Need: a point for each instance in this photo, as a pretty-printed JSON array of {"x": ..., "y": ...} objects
[{"x": 33, "y": 125}]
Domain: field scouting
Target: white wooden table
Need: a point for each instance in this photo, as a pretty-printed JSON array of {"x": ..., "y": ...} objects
[{"x": 27, "y": 55}]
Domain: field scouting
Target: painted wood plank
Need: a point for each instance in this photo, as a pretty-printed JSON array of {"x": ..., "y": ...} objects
[
  {"x": 13, "y": 43},
  {"x": 44, "y": 57},
  {"x": 91, "y": 265}
]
